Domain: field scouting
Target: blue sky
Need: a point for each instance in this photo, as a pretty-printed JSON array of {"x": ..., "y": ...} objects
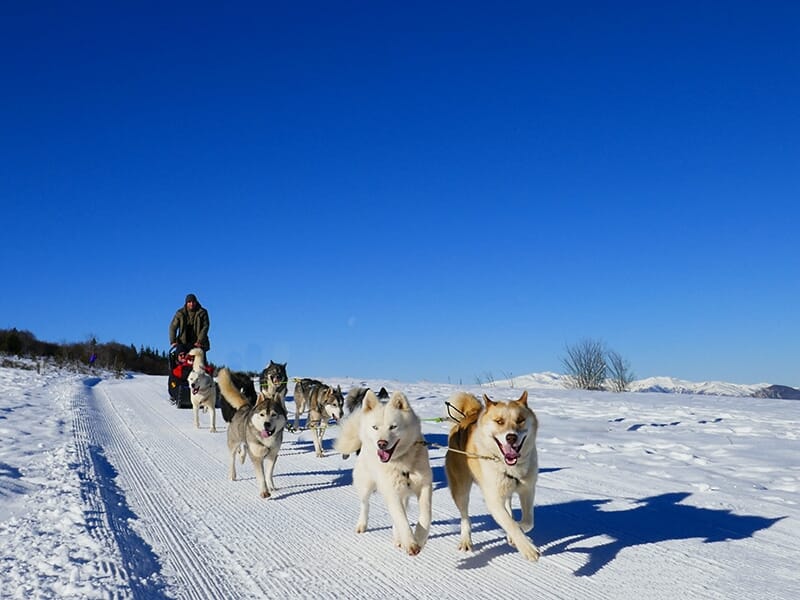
[{"x": 409, "y": 190}]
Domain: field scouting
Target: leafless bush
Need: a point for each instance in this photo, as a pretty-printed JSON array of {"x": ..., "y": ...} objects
[
  {"x": 509, "y": 376},
  {"x": 620, "y": 375},
  {"x": 585, "y": 365}
]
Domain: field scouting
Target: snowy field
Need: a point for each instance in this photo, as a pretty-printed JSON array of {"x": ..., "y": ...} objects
[{"x": 107, "y": 491}]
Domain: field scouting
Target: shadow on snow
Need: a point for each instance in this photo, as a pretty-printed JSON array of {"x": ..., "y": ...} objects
[
  {"x": 581, "y": 526},
  {"x": 138, "y": 557}
]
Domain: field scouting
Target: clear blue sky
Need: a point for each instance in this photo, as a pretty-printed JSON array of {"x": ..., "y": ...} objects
[{"x": 409, "y": 190}]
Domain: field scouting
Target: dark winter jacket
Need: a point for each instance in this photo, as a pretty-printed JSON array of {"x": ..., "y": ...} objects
[{"x": 189, "y": 327}]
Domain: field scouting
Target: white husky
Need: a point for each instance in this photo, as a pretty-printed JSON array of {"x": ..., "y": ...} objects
[
  {"x": 393, "y": 460},
  {"x": 203, "y": 389}
]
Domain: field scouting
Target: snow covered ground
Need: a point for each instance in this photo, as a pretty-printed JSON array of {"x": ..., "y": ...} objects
[{"x": 107, "y": 491}]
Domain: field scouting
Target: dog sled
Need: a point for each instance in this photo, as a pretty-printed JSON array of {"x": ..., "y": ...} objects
[{"x": 180, "y": 365}]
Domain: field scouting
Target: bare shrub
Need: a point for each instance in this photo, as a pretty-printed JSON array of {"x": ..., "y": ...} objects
[
  {"x": 620, "y": 375},
  {"x": 585, "y": 365}
]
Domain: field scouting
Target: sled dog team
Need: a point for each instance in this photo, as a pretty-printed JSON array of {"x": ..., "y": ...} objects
[{"x": 492, "y": 444}]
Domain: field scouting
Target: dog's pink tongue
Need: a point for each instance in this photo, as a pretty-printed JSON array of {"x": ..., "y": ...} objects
[
  {"x": 384, "y": 455},
  {"x": 264, "y": 433},
  {"x": 510, "y": 454}
]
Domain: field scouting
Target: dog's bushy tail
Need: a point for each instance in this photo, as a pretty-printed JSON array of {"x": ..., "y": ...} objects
[
  {"x": 229, "y": 392},
  {"x": 354, "y": 398},
  {"x": 349, "y": 440},
  {"x": 199, "y": 361},
  {"x": 463, "y": 408}
]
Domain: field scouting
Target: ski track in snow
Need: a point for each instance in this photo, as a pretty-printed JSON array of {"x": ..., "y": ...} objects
[
  {"x": 636, "y": 499},
  {"x": 218, "y": 538}
]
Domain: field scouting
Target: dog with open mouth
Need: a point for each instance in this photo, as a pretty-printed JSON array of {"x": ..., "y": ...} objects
[
  {"x": 494, "y": 445},
  {"x": 255, "y": 431},
  {"x": 392, "y": 460},
  {"x": 203, "y": 390},
  {"x": 274, "y": 382}
]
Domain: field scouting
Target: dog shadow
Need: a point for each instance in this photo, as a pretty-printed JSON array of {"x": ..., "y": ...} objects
[
  {"x": 342, "y": 477},
  {"x": 296, "y": 445},
  {"x": 577, "y": 526},
  {"x": 334, "y": 479}
]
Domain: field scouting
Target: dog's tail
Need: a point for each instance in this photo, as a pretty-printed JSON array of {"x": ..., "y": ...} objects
[
  {"x": 354, "y": 398},
  {"x": 349, "y": 440},
  {"x": 229, "y": 392},
  {"x": 199, "y": 361},
  {"x": 463, "y": 408}
]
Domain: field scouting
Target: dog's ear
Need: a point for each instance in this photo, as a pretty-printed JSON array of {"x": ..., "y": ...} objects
[
  {"x": 489, "y": 401},
  {"x": 399, "y": 401},
  {"x": 523, "y": 399},
  {"x": 370, "y": 401}
]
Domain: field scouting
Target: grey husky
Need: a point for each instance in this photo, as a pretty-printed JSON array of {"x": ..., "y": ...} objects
[
  {"x": 254, "y": 430},
  {"x": 322, "y": 402},
  {"x": 355, "y": 397},
  {"x": 274, "y": 381}
]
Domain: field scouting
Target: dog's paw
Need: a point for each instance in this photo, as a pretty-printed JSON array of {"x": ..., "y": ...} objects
[
  {"x": 265, "y": 494},
  {"x": 361, "y": 527},
  {"x": 527, "y": 549},
  {"x": 213, "y": 430},
  {"x": 531, "y": 552},
  {"x": 526, "y": 526},
  {"x": 412, "y": 549},
  {"x": 465, "y": 545}
]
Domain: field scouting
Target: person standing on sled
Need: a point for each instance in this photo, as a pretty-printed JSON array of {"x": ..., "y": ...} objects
[{"x": 189, "y": 327}]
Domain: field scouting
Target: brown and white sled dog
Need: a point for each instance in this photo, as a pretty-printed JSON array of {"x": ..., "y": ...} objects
[
  {"x": 394, "y": 461},
  {"x": 323, "y": 403},
  {"x": 203, "y": 390},
  {"x": 494, "y": 446},
  {"x": 254, "y": 430}
]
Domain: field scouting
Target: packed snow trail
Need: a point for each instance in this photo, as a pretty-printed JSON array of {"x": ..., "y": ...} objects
[{"x": 186, "y": 531}]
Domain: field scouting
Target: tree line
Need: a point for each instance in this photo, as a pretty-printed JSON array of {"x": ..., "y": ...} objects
[
  {"x": 588, "y": 364},
  {"x": 109, "y": 355}
]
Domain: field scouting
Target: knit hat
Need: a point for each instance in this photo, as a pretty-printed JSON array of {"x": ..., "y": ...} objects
[{"x": 191, "y": 298}]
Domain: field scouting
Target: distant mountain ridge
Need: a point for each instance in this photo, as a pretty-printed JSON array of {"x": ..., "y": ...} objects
[
  {"x": 671, "y": 385},
  {"x": 779, "y": 391},
  {"x": 667, "y": 385}
]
